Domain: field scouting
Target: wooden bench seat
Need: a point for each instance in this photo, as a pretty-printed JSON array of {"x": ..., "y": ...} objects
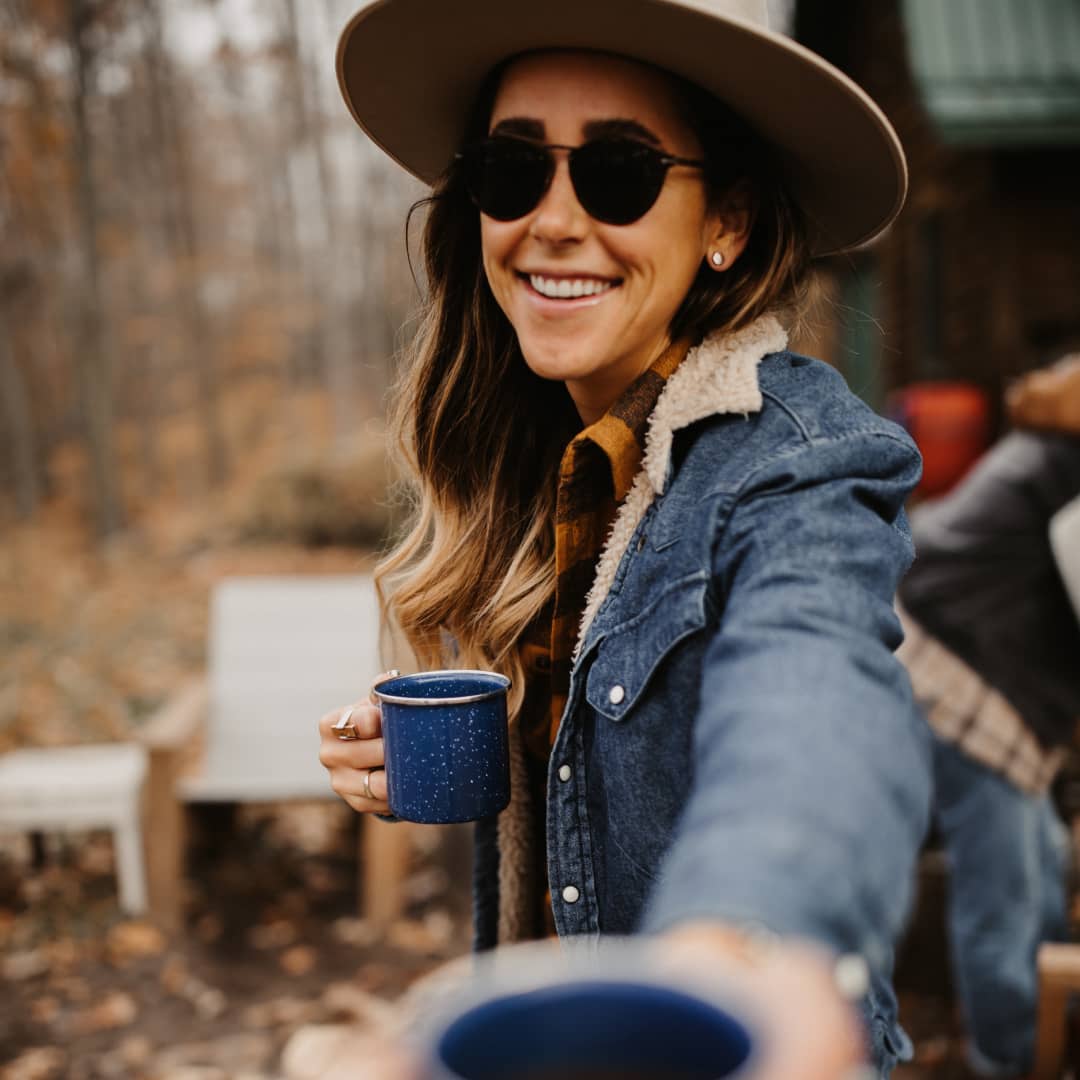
[{"x": 281, "y": 652}]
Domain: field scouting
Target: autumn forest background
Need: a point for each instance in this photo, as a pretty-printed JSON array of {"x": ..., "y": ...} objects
[
  {"x": 203, "y": 275},
  {"x": 203, "y": 280}
]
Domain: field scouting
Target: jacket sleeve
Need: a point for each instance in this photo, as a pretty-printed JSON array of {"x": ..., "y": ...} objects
[{"x": 810, "y": 791}]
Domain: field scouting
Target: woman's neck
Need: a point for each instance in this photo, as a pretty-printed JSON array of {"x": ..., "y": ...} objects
[{"x": 594, "y": 394}]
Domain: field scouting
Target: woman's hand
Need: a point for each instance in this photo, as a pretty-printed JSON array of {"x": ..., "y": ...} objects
[
  {"x": 351, "y": 751},
  {"x": 350, "y": 1054},
  {"x": 807, "y": 1030}
]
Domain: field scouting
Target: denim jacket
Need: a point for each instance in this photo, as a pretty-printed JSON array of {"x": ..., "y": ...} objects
[{"x": 739, "y": 743}]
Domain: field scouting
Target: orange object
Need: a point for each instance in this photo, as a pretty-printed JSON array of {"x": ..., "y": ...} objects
[
  {"x": 950, "y": 423},
  {"x": 1049, "y": 398}
]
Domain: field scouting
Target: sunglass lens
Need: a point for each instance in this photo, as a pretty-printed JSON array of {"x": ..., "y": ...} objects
[
  {"x": 617, "y": 181},
  {"x": 507, "y": 178}
]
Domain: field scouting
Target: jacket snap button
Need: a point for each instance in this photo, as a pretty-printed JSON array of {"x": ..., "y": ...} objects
[
  {"x": 564, "y": 773},
  {"x": 570, "y": 894},
  {"x": 616, "y": 695}
]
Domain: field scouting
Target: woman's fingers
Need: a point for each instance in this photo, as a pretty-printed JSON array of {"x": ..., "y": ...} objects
[
  {"x": 393, "y": 673},
  {"x": 352, "y": 782},
  {"x": 363, "y": 789},
  {"x": 359, "y": 754},
  {"x": 366, "y": 806},
  {"x": 809, "y": 1031},
  {"x": 363, "y": 717},
  {"x": 351, "y": 751},
  {"x": 367, "y": 1055}
]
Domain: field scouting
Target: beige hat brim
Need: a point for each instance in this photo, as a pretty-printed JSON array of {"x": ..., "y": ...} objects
[{"x": 409, "y": 71}]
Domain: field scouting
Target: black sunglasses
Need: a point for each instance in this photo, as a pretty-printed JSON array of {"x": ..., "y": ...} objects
[{"x": 617, "y": 181}]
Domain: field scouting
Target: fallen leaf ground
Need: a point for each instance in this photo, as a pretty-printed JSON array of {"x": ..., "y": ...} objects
[{"x": 272, "y": 944}]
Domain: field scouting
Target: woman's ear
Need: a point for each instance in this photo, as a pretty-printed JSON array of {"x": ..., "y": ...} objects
[{"x": 728, "y": 228}]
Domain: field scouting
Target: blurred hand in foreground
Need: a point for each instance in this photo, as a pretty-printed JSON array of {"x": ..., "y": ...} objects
[
  {"x": 808, "y": 1031},
  {"x": 347, "y": 1056}
]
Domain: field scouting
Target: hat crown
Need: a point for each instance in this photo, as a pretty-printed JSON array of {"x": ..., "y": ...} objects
[
  {"x": 410, "y": 71},
  {"x": 752, "y": 11}
]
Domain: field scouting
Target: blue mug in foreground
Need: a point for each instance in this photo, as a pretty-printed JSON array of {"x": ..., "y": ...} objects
[
  {"x": 600, "y": 1030},
  {"x": 445, "y": 745}
]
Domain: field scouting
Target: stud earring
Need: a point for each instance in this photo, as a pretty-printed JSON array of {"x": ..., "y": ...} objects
[{"x": 718, "y": 259}]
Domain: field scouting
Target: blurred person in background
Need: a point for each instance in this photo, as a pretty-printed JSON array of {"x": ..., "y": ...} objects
[
  {"x": 993, "y": 646},
  {"x": 680, "y": 539}
]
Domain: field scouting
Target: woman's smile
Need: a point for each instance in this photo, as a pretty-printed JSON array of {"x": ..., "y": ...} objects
[{"x": 569, "y": 287}]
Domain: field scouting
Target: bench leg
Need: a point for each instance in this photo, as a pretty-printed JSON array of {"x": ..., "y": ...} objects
[
  {"x": 1059, "y": 976},
  {"x": 130, "y": 868},
  {"x": 165, "y": 833},
  {"x": 385, "y": 849}
]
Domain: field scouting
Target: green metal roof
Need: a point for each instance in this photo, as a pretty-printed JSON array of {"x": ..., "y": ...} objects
[{"x": 998, "y": 72}]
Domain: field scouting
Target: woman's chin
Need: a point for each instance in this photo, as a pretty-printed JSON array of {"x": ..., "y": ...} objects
[
  {"x": 560, "y": 366},
  {"x": 564, "y": 356}
]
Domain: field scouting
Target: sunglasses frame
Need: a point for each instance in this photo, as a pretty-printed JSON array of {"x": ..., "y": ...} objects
[{"x": 657, "y": 159}]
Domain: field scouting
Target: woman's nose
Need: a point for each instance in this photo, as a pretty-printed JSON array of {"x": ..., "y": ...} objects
[{"x": 560, "y": 218}]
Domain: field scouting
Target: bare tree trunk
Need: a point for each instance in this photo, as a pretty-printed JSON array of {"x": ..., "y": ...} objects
[
  {"x": 92, "y": 361},
  {"x": 141, "y": 377},
  {"x": 338, "y": 360},
  {"x": 270, "y": 244},
  {"x": 171, "y": 137},
  {"x": 318, "y": 271},
  {"x": 39, "y": 235},
  {"x": 15, "y": 404},
  {"x": 307, "y": 130}
]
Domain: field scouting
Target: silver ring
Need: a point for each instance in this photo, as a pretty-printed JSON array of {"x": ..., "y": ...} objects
[
  {"x": 344, "y": 728},
  {"x": 368, "y": 793}
]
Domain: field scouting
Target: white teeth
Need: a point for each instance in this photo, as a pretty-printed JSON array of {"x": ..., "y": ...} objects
[{"x": 569, "y": 288}]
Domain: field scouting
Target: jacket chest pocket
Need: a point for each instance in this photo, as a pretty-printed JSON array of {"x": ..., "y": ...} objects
[{"x": 630, "y": 654}]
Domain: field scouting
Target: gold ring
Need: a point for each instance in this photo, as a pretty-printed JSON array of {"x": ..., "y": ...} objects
[
  {"x": 368, "y": 793},
  {"x": 344, "y": 728}
]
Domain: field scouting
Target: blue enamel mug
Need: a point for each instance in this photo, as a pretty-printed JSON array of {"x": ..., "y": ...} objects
[
  {"x": 445, "y": 745},
  {"x": 529, "y": 1012},
  {"x": 596, "y": 1029}
]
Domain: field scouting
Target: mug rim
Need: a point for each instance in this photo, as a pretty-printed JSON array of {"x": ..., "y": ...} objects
[
  {"x": 664, "y": 993},
  {"x": 465, "y": 699}
]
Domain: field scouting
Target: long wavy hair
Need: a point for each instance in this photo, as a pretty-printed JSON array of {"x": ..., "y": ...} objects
[{"x": 481, "y": 436}]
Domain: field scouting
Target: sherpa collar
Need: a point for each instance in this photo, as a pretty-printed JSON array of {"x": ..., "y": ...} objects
[{"x": 719, "y": 376}]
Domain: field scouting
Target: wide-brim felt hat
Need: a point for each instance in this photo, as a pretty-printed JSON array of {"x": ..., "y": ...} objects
[{"x": 410, "y": 71}]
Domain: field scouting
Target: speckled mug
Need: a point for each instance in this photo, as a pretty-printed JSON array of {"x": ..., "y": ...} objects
[
  {"x": 607, "y": 1010},
  {"x": 445, "y": 745}
]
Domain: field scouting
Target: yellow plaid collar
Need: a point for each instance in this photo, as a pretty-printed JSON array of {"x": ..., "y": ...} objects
[{"x": 620, "y": 432}]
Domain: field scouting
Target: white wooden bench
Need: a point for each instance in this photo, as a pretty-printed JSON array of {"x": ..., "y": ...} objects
[
  {"x": 70, "y": 788},
  {"x": 282, "y": 651}
]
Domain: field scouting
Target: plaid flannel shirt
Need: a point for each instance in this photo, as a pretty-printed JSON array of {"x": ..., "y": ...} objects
[{"x": 965, "y": 710}]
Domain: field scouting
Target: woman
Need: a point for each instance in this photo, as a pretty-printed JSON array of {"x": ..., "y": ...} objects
[{"x": 679, "y": 539}]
